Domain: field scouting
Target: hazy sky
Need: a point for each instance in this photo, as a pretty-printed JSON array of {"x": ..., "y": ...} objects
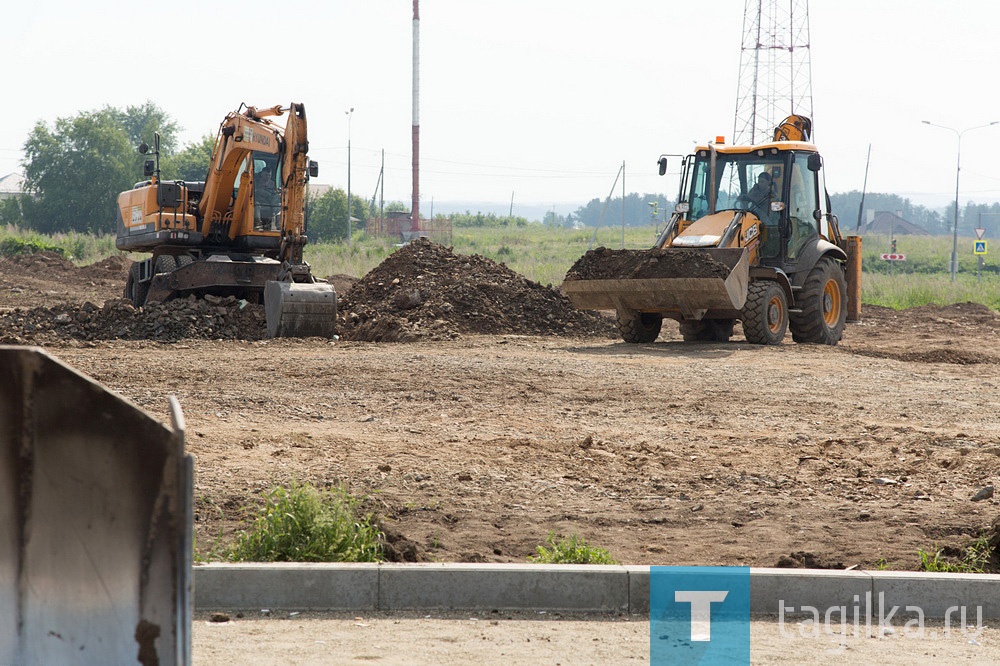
[{"x": 543, "y": 98}]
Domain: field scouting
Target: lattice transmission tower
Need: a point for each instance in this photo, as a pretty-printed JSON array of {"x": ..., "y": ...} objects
[{"x": 775, "y": 73}]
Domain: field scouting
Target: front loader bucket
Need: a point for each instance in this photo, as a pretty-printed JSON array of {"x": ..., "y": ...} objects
[
  {"x": 685, "y": 281},
  {"x": 300, "y": 309},
  {"x": 95, "y": 522}
]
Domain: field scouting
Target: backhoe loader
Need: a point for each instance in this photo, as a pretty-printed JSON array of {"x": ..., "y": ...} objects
[
  {"x": 752, "y": 238},
  {"x": 239, "y": 232}
]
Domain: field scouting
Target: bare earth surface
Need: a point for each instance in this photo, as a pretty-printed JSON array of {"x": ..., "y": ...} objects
[
  {"x": 474, "y": 447},
  {"x": 456, "y": 640}
]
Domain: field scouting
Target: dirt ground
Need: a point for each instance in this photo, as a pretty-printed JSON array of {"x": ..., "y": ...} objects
[
  {"x": 474, "y": 447},
  {"x": 531, "y": 638}
]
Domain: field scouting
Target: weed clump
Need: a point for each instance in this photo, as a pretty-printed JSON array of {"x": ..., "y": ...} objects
[
  {"x": 572, "y": 550},
  {"x": 304, "y": 524}
]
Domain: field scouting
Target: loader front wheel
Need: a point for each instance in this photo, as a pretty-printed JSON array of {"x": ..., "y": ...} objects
[
  {"x": 639, "y": 327},
  {"x": 822, "y": 314},
  {"x": 765, "y": 314}
]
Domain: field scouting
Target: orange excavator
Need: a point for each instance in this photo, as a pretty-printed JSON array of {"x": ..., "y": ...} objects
[{"x": 240, "y": 232}]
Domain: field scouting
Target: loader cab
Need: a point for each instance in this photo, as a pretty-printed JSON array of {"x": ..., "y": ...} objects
[{"x": 783, "y": 187}]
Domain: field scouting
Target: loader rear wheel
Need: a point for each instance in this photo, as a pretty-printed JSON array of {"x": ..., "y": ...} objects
[
  {"x": 765, "y": 314},
  {"x": 822, "y": 313},
  {"x": 640, "y": 327},
  {"x": 707, "y": 330}
]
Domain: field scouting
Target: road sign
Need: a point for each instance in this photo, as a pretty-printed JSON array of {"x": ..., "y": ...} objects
[
  {"x": 980, "y": 232},
  {"x": 894, "y": 257},
  {"x": 979, "y": 247}
]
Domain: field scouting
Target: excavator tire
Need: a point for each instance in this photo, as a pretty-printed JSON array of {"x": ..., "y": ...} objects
[
  {"x": 707, "y": 330},
  {"x": 135, "y": 290},
  {"x": 165, "y": 263},
  {"x": 639, "y": 328},
  {"x": 822, "y": 313},
  {"x": 765, "y": 314}
]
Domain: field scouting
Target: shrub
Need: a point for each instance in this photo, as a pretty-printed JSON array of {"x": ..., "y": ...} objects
[
  {"x": 303, "y": 524},
  {"x": 12, "y": 245},
  {"x": 571, "y": 551}
]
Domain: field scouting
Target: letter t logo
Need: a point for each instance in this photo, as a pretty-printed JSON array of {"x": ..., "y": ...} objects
[{"x": 701, "y": 610}]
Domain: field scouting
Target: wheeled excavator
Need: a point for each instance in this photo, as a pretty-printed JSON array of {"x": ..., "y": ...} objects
[
  {"x": 751, "y": 238},
  {"x": 240, "y": 232}
]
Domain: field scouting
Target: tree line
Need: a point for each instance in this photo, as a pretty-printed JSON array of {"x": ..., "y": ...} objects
[{"x": 75, "y": 169}]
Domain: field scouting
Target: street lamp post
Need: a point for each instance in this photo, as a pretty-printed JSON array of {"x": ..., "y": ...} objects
[
  {"x": 350, "y": 114},
  {"x": 958, "y": 172}
]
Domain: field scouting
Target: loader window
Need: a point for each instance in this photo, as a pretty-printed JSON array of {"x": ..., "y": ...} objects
[
  {"x": 802, "y": 202},
  {"x": 743, "y": 182}
]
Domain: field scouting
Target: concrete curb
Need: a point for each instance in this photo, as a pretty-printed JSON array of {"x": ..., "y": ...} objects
[{"x": 573, "y": 588}]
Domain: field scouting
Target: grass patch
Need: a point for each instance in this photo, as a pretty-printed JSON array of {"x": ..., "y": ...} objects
[
  {"x": 572, "y": 550},
  {"x": 901, "y": 291},
  {"x": 78, "y": 247},
  {"x": 977, "y": 557},
  {"x": 304, "y": 524},
  {"x": 13, "y": 245}
]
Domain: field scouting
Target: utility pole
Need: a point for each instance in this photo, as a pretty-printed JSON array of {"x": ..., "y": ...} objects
[
  {"x": 415, "y": 166},
  {"x": 350, "y": 114}
]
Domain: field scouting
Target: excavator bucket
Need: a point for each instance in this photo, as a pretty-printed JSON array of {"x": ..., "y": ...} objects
[
  {"x": 95, "y": 522},
  {"x": 300, "y": 309},
  {"x": 678, "y": 282}
]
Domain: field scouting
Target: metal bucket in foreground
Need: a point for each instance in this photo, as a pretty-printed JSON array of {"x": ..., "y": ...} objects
[{"x": 95, "y": 522}]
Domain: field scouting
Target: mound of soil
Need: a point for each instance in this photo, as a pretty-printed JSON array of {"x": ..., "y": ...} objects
[
  {"x": 606, "y": 264},
  {"x": 114, "y": 267},
  {"x": 425, "y": 291},
  {"x": 211, "y": 318},
  {"x": 39, "y": 263}
]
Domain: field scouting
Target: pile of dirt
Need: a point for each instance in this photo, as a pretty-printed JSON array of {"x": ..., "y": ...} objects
[
  {"x": 425, "y": 291},
  {"x": 114, "y": 267},
  {"x": 38, "y": 263},
  {"x": 210, "y": 318},
  {"x": 607, "y": 264}
]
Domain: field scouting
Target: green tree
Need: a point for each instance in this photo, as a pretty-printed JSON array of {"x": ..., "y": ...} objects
[
  {"x": 75, "y": 171},
  {"x": 327, "y": 215},
  {"x": 192, "y": 162},
  {"x": 10, "y": 211},
  {"x": 601, "y": 212},
  {"x": 143, "y": 122}
]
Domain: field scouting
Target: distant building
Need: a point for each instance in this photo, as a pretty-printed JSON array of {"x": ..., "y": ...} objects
[
  {"x": 890, "y": 224},
  {"x": 11, "y": 185}
]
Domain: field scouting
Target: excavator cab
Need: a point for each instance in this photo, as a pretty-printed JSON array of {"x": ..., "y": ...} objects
[{"x": 266, "y": 192}]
